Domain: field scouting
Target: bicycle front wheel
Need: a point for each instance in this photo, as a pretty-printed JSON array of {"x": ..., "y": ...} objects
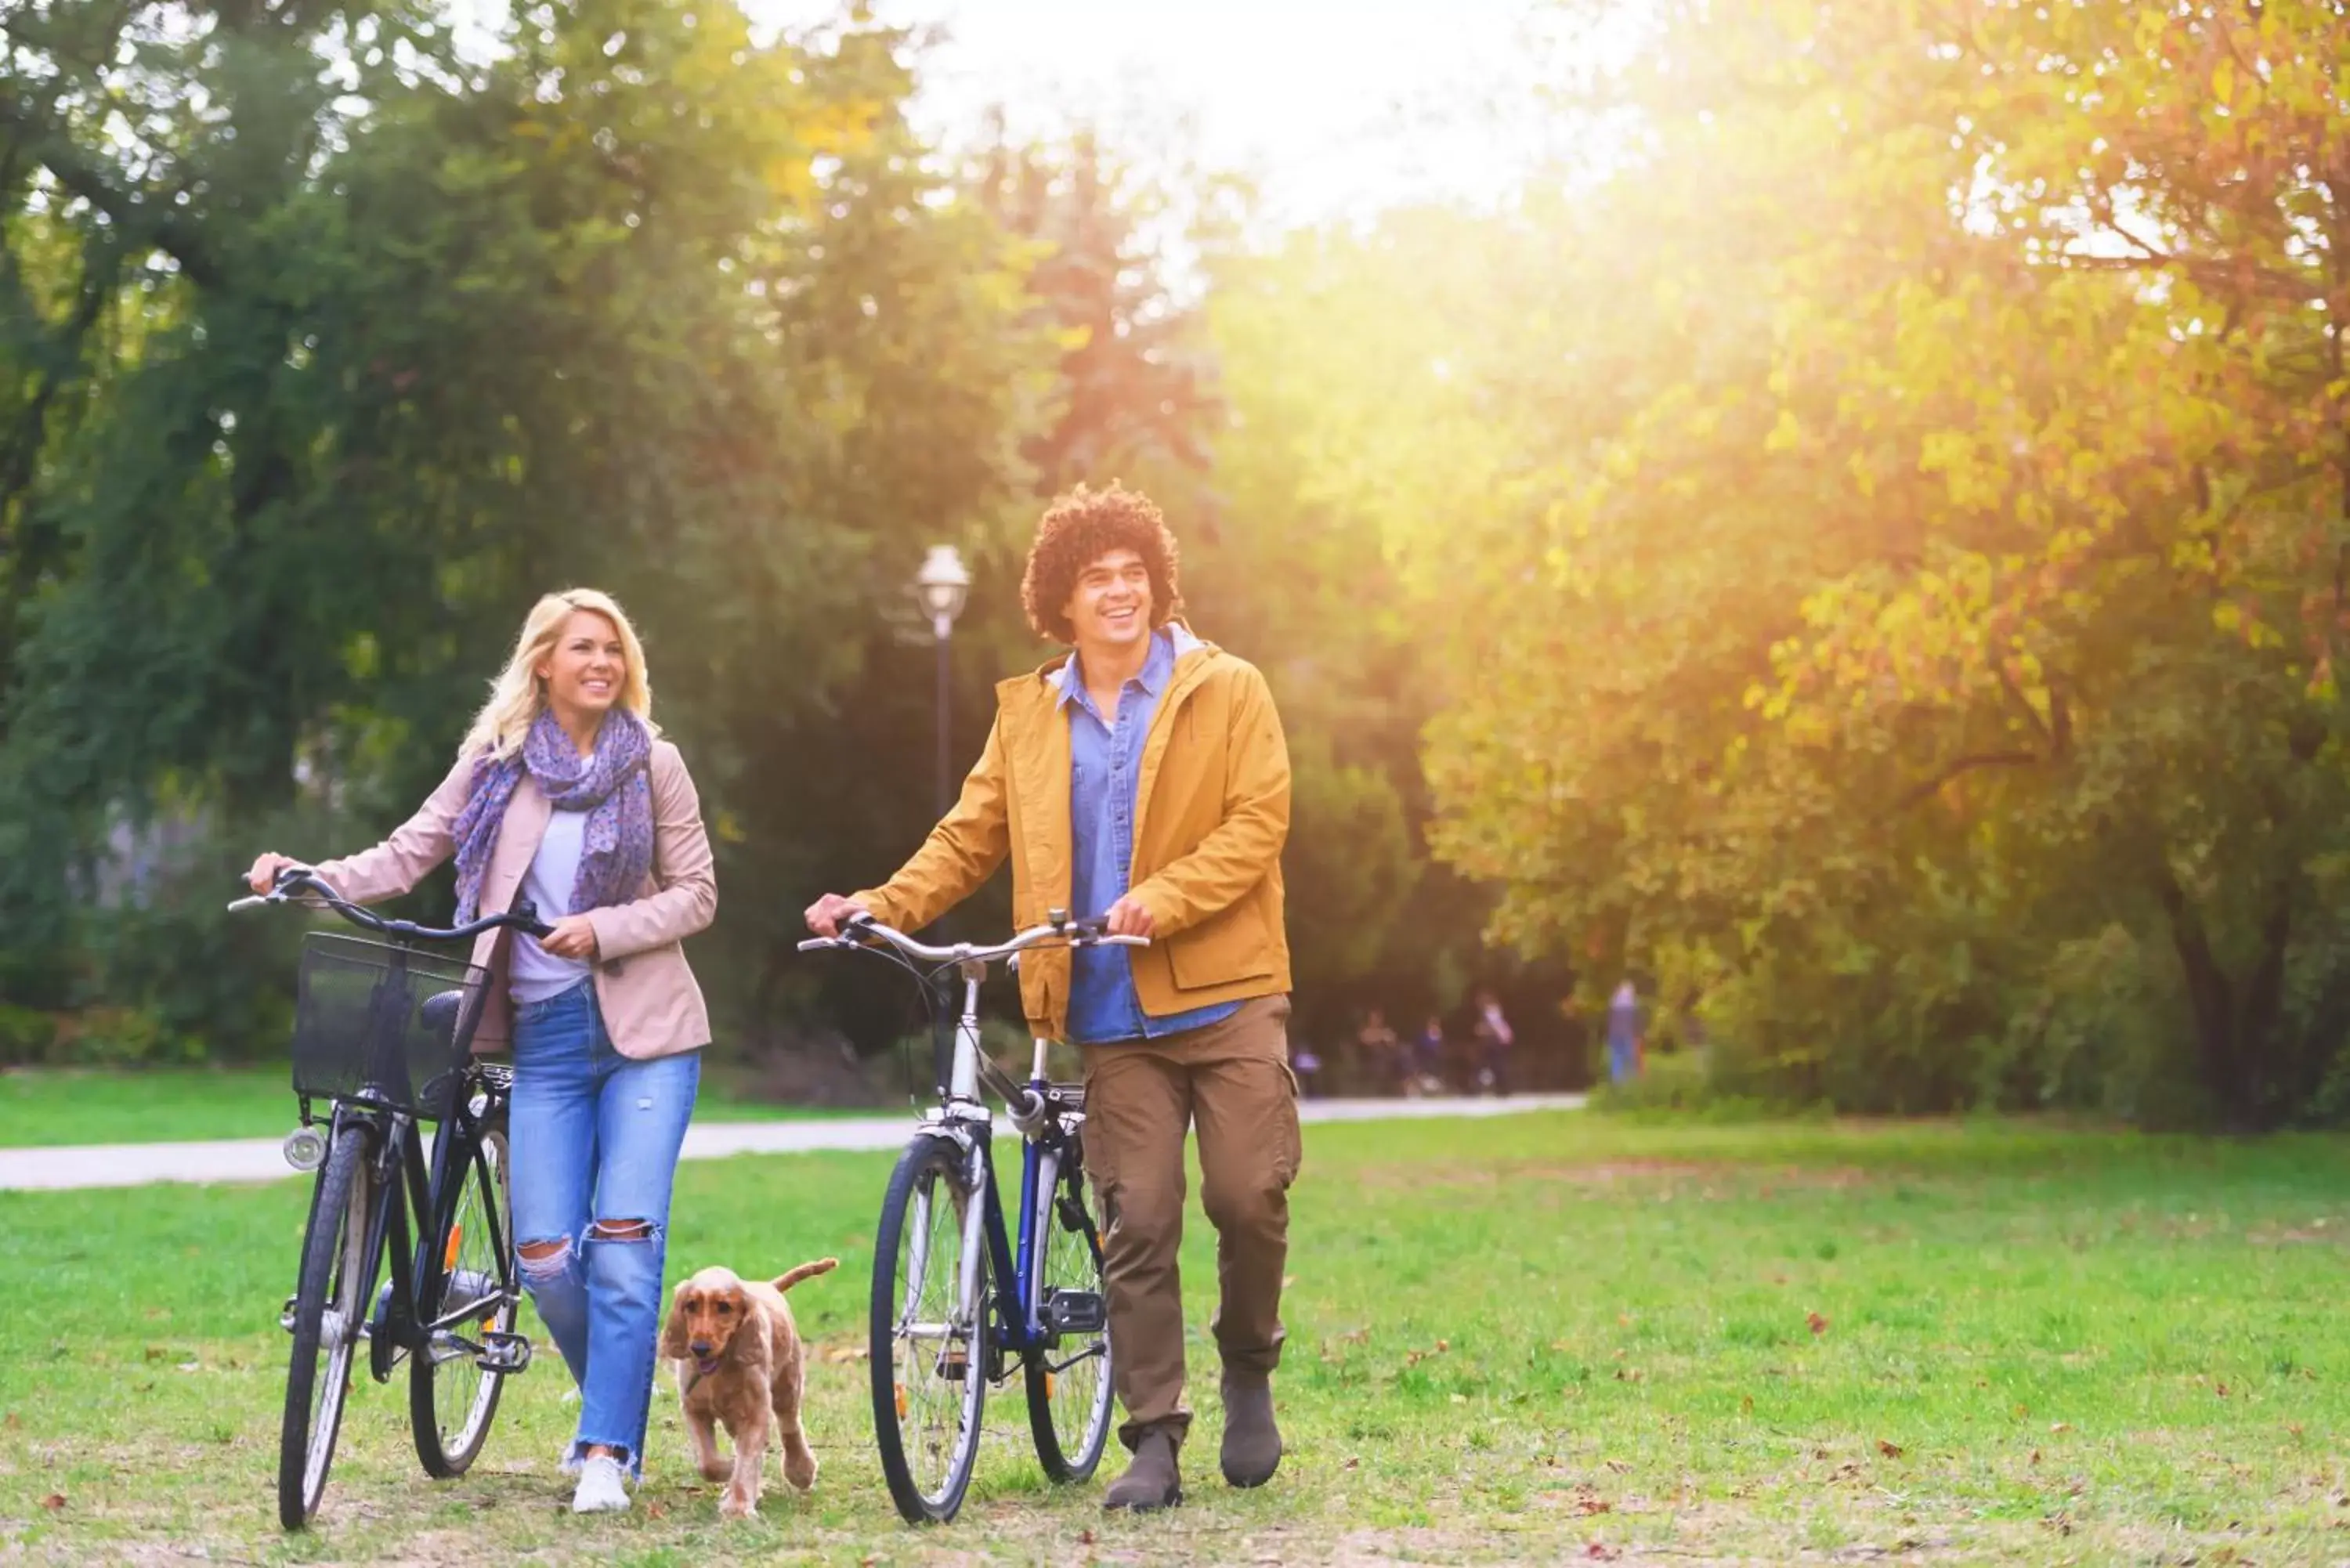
[
  {"x": 330, "y": 1308},
  {"x": 929, "y": 1343},
  {"x": 1069, "y": 1390},
  {"x": 452, "y": 1395}
]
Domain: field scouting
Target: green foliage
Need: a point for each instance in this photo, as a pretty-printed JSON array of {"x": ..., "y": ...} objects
[{"x": 1884, "y": 537}]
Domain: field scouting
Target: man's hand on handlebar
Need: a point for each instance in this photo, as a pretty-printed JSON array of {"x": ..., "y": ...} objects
[
  {"x": 1129, "y": 917},
  {"x": 826, "y": 915},
  {"x": 263, "y": 877}
]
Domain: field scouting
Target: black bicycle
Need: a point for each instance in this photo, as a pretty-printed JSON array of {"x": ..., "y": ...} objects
[
  {"x": 383, "y": 1033},
  {"x": 960, "y": 1302}
]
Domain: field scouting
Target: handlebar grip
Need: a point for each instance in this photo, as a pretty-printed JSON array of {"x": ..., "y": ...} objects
[
  {"x": 249, "y": 901},
  {"x": 524, "y": 917}
]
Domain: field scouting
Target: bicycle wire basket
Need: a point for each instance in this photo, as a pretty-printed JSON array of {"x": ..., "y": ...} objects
[{"x": 397, "y": 1021}]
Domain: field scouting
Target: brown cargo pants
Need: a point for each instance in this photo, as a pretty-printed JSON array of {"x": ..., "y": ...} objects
[{"x": 1232, "y": 1081}]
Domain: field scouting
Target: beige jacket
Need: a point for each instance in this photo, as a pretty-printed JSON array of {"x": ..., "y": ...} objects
[{"x": 651, "y": 1005}]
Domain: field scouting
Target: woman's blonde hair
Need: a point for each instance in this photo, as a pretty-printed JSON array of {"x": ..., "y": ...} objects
[{"x": 517, "y": 695}]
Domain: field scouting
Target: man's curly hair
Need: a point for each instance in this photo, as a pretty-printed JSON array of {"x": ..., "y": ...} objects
[{"x": 1079, "y": 529}]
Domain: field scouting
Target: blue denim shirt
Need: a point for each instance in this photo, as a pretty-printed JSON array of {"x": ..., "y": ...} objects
[{"x": 1105, "y": 769}]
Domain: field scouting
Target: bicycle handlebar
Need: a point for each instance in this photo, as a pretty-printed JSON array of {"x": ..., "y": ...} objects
[
  {"x": 291, "y": 879},
  {"x": 855, "y": 930}
]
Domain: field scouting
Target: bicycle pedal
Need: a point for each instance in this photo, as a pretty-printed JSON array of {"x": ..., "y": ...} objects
[
  {"x": 504, "y": 1353},
  {"x": 954, "y": 1365},
  {"x": 1075, "y": 1311}
]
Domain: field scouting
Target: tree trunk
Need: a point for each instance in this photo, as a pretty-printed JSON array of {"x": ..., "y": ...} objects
[{"x": 2210, "y": 995}]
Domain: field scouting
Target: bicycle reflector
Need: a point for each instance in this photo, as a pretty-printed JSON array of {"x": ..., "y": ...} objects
[{"x": 305, "y": 1149}]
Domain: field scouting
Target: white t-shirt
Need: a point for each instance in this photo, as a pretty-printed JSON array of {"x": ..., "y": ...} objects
[{"x": 534, "y": 974}]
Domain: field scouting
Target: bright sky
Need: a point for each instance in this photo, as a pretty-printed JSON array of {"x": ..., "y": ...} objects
[{"x": 1337, "y": 107}]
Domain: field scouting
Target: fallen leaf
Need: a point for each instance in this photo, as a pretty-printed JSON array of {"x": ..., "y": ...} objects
[
  {"x": 2022, "y": 1411},
  {"x": 656, "y": 1511},
  {"x": 1746, "y": 1404},
  {"x": 53, "y": 1501},
  {"x": 10, "y": 1421},
  {"x": 1890, "y": 1450},
  {"x": 1287, "y": 1281},
  {"x": 1599, "y": 1552},
  {"x": 1817, "y": 1324},
  {"x": 1628, "y": 1374},
  {"x": 192, "y": 1366},
  {"x": 2060, "y": 1425},
  {"x": 1443, "y": 1344},
  {"x": 1084, "y": 1538},
  {"x": 1590, "y": 1505},
  {"x": 2221, "y": 1389},
  {"x": 156, "y": 1352},
  {"x": 2035, "y": 1456},
  {"x": 1624, "y": 1319},
  {"x": 1620, "y": 1466},
  {"x": 1352, "y": 1464},
  {"x": 1460, "y": 1398}
]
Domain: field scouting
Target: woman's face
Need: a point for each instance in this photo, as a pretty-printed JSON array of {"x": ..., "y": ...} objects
[{"x": 587, "y": 667}]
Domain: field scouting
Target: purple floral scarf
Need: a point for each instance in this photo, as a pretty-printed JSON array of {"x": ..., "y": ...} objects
[{"x": 614, "y": 788}]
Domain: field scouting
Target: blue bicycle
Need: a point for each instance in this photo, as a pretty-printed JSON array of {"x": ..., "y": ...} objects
[{"x": 940, "y": 1335}]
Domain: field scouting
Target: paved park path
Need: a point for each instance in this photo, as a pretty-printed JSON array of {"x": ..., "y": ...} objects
[{"x": 259, "y": 1160}]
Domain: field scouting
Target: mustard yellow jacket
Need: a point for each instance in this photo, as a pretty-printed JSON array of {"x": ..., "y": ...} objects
[{"x": 1211, "y": 813}]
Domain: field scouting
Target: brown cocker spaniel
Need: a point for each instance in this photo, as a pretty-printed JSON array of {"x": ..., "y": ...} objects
[{"x": 738, "y": 1363}]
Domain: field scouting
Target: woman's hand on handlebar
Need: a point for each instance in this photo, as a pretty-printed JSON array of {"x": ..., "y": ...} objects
[
  {"x": 574, "y": 937},
  {"x": 265, "y": 868},
  {"x": 825, "y": 916}
]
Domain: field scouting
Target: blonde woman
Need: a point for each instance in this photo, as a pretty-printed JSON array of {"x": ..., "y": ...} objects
[{"x": 564, "y": 793}]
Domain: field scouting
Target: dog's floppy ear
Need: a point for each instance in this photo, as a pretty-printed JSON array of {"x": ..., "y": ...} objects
[{"x": 673, "y": 1340}]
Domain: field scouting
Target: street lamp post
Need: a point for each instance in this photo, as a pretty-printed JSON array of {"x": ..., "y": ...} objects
[{"x": 941, "y": 586}]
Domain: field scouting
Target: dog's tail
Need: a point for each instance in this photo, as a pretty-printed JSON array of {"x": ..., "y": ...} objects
[{"x": 791, "y": 1277}]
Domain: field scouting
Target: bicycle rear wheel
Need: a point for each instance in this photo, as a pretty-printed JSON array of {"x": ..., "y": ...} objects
[
  {"x": 930, "y": 1341},
  {"x": 330, "y": 1308},
  {"x": 452, "y": 1395},
  {"x": 1069, "y": 1391}
]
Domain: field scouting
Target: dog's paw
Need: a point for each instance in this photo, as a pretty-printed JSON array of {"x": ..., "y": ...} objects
[
  {"x": 802, "y": 1477},
  {"x": 737, "y": 1505}
]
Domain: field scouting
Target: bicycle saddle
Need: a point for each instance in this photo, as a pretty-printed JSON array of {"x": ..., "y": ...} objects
[{"x": 439, "y": 1014}]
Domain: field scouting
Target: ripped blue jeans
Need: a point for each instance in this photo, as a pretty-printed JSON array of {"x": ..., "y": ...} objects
[{"x": 595, "y": 1137}]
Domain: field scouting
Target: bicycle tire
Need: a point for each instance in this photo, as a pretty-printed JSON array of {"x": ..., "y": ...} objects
[
  {"x": 1069, "y": 1408},
  {"x": 452, "y": 1397},
  {"x": 901, "y": 1374},
  {"x": 330, "y": 1303}
]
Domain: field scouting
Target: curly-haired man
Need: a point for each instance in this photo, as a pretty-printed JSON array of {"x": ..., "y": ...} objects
[{"x": 1144, "y": 778}]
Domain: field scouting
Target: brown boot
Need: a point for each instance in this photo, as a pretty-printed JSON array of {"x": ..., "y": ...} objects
[
  {"x": 1150, "y": 1482},
  {"x": 1251, "y": 1442}
]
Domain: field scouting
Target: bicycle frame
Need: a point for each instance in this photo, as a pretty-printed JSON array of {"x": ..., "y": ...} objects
[
  {"x": 1013, "y": 1267},
  {"x": 405, "y": 1184}
]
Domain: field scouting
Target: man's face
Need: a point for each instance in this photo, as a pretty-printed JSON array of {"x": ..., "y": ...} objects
[{"x": 1110, "y": 606}]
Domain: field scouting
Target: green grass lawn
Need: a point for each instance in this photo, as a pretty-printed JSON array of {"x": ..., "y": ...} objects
[
  {"x": 1540, "y": 1338},
  {"x": 53, "y": 1107}
]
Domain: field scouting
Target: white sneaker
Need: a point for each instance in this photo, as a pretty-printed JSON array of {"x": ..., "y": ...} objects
[{"x": 600, "y": 1490}]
